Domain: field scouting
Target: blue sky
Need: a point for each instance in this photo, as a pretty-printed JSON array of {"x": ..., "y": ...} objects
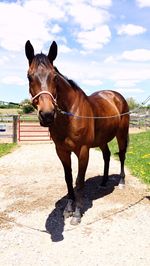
[{"x": 102, "y": 44}]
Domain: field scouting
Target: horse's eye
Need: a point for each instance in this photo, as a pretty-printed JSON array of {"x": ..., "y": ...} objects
[
  {"x": 30, "y": 78},
  {"x": 55, "y": 78}
]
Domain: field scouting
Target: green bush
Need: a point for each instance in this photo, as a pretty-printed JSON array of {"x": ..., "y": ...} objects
[{"x": 27, "y": 106}]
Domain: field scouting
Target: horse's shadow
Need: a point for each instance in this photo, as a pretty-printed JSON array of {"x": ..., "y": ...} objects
[{"x": 55, "y": 221}]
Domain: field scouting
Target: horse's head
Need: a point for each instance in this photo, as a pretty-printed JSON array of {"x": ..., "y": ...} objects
[{"x": 41, "y": 76}]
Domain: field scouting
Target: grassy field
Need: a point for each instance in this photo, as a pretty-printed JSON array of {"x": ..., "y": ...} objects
[
  {"x": 138, "y": 155},
  {"x": 6, "y": 148},
  {"x": 9, "y": 111}
]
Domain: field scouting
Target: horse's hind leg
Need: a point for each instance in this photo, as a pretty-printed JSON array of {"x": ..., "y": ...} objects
[
  {"x": 106, "y": 157},
  {"x": 65, "y": 158},
  {"x": 122, "y": 138}
]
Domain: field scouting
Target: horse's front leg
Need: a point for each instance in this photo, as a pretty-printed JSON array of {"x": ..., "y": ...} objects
[
  {"x": 83, "y": 157},
  {"x": 65, "y": 158}
]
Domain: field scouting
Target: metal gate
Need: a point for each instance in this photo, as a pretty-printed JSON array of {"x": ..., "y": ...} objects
[
  {"x": 6, "y": 128},
  {"x": 30, "y": 130}
]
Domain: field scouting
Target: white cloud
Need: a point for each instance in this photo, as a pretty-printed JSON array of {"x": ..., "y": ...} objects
[
  {"x": 130, "y": 72},
  {"x": 27, "y": 21},
  {"x": 130, "y": 29},
  {"x": 143, "y": 3},
  {"x": 48, "y": 9},
  {"x": 10, "y": 80},
  {"x": 40, "y": 23},
  {"x": 130, "y": 90},
  {"x": 3, "y": 59},
  {"x": 56, "y": 29},
  {"x": 88, "y": 17},
  {"x": 126, "y": 82},
  {"x": 64, "y": 49},
  {"x": 136, "y": 55},
  {"x": 110, "y": 59},
  {"x": 92, "y": 82},
  {"x": 94, "y": 39},
  {"x": 100, "y": 3}
]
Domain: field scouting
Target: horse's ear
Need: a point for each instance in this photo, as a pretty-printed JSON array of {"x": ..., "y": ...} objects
[
  {"x": 29, "y": 51},
  {"x": 52, "y": 52}
]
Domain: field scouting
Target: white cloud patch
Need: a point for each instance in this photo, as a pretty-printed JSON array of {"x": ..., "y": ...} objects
[
  {"x": 94, "y": 39},
  {"x": 47, "y": 10},
  {"x": 27, "y": 21},
  {"x": 40, "y": 23},
  {"x": 137, "y": 55},
  {"x": 3, "y": 60},
  {"x": 134, "y": 73},
  {"x": 141, "y": 55},
  {"x": 92, "y": 82},
  {"x": 93, "y": 33},
  {"x": 126, "y": 83},
  {"x": 64, "y": 49},
  {"x": 13, "y": 80},
  {"x": 110, "y": 59},
  {"x": 130, "y": 29},
  {"x": 143, "y": 3},
  {"x": 56, "y": 29},
  {"x": 88, "y": 17},
  {"x": 132, "y": 91},
  {"x": 100, "y": 3}
]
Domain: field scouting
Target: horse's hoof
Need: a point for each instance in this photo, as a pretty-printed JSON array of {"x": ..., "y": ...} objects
[
  {"x": 75, "y": 220},
  {"x": 121, "y": 186},
  {"x": 67, "y": 214},
  {"x": 68, "y": 211},
  {"x": 122, "y": 183}
]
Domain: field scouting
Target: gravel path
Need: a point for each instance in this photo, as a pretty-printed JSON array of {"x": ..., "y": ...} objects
[{"x": 115, "y": 228}]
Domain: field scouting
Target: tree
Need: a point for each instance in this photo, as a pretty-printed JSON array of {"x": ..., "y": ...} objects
[
  {"x": 27, "y": 106},
  {"x": 132, "y": 103}
]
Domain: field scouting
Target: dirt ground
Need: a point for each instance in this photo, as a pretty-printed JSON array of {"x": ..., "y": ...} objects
[{"x": 115, "y": 227}]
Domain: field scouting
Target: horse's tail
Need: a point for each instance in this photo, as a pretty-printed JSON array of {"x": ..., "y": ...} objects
[{"x": 123, "y": 130}]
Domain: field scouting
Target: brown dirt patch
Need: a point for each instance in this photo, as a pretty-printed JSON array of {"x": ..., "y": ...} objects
[{"x": 32, "y": 199}]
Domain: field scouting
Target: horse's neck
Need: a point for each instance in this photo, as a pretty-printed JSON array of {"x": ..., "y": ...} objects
[{"x": 65, "y": 93}]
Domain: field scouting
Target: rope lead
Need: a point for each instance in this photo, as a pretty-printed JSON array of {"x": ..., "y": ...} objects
[{"x": 103, "y": 117}]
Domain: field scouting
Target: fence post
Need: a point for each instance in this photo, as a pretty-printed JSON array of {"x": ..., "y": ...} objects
[{"x": 15, "y": 119}]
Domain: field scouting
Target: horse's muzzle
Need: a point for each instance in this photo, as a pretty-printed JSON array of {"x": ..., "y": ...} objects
[{"x": 46, "y": 118}]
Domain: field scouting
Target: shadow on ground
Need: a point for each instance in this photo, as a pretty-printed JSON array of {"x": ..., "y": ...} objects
[{"x": 55, "y": 221}]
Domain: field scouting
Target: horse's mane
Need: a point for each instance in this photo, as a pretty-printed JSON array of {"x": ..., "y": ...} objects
[{"x": 73, "y": 84}]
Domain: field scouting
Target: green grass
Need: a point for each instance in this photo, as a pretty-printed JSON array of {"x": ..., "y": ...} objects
[
  {"x": 6, "y": 148},
  {"x": 138, "y": 155},
  {"x": 9, "y": 111}
]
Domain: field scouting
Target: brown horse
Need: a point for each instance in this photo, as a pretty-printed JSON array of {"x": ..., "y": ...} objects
[{"x": 76, "y": 121}]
